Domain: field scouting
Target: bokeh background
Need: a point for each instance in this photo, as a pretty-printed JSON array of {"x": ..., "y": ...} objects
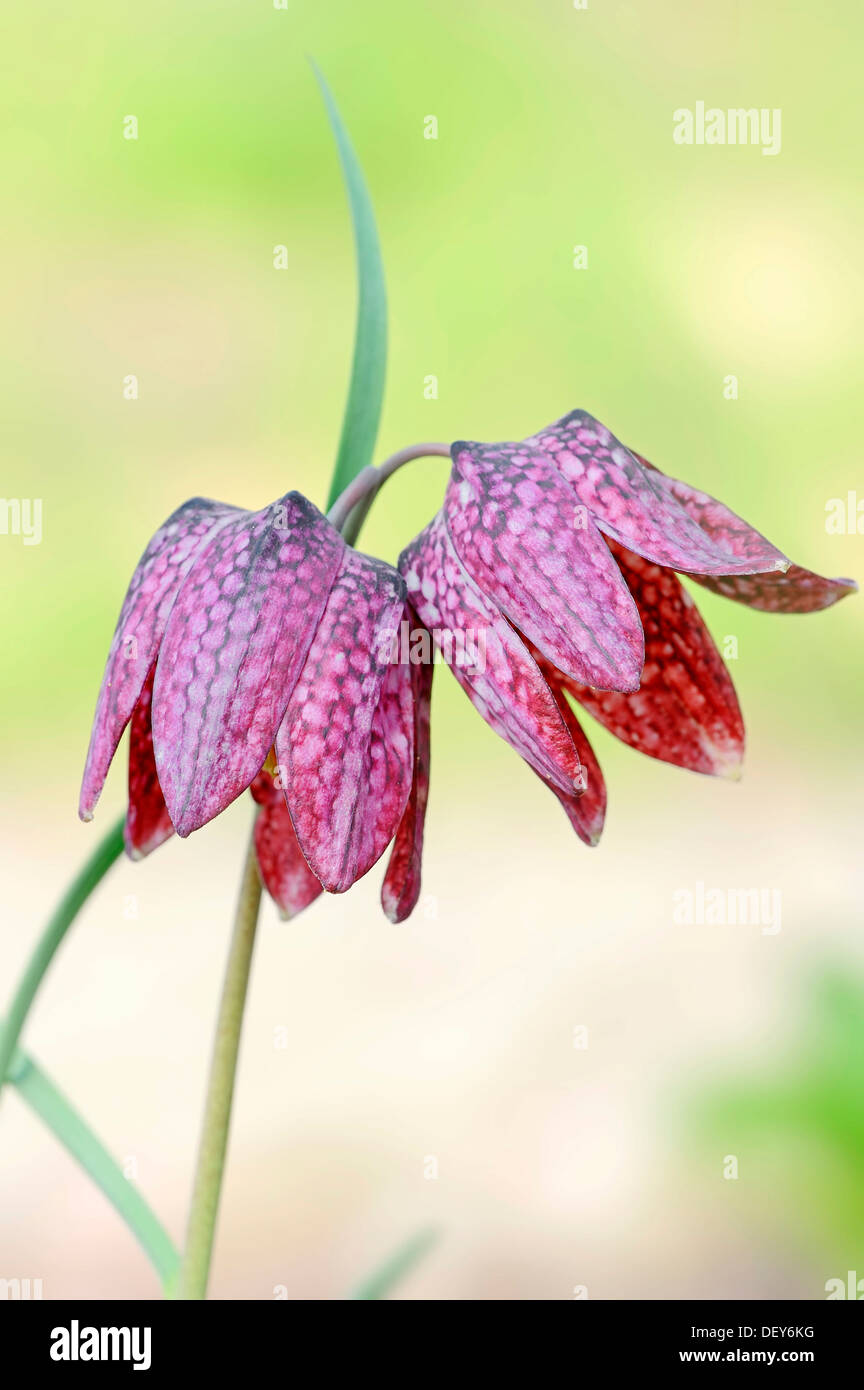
[{"x": 370, "y": 1050}]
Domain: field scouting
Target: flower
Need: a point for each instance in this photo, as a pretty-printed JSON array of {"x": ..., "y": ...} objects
[
  {"x": 563, "y": 549},
  {"x": 252, "y": 651}
]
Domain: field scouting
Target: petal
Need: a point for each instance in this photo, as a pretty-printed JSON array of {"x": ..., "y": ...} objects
[
  {"x": 325, "y": 744},
  {"x": 391, "y": 763},
  {"x": 400, "y": 890},
  {"x": 139, "y": 630},
  {"x": 686, "y": 711},
  {"x": 797, "y": 591},
  {"x": 586, "y": 810},
  {"x": 285, "y": 873},
  {"x": 543, "y": 561},
  {"x": 634, "y": 505},
  {"x": 234, "y": 645},
  {"x": 488, "y": 657},
  {"x": 148, "y": 823}
]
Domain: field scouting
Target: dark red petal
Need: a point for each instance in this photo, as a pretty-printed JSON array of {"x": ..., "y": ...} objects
[
  {"x": 284, "y": 871},
  {"x": 686, "y": 711},
  {"x": 148, "y": 823},
  {"x": 542, "y": 560},
  {"x": 797, "y": 591},
  {"x": 332, "y": 757},
  {"x": 142, "y": 620},
  {"x": 233, "y": 647},
  {"x": 586, "y": 810},
  {"x": 400, "y": 890},
  {"x": 634, "y": 506},
  {"x": 488, "y": 657}
]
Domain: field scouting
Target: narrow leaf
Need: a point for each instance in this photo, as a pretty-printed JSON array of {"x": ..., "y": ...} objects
[
  {"x": 366, "y": 390},
  {"x": 74, "y": 1134},
  {"x": 89, "y": 875},
  {"x": 387, "y": 1276}
]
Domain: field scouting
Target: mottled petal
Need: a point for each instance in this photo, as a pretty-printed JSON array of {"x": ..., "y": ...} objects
[
  {"x": 139, "y": 630},
  {"x": 686, "y": 711},
  {"x": 586, "y": 809},
  {"x": 330, "y": 757},
  {"x": 391, "y": 763},
  {"x": 488, "y": 657},
  {"x": 400, "y": 890},
  {"x": 284, "y": 871},
  {"x": 633, "y": 505},
  {"x": 234, "y": 645},
  {"x": 542, "y": 560},
  {"x": 797, "y": 591},
  {"x": 148, "y": 823}
]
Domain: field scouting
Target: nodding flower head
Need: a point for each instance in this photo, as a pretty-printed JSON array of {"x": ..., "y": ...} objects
[
  {"x": 563, "y": 549},
  {"x": 253, "y": 650}
]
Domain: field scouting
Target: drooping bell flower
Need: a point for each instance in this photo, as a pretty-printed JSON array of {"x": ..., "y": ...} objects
[
  {"x": 253, "y": 649},
  {"x": 564, "y": 548}
]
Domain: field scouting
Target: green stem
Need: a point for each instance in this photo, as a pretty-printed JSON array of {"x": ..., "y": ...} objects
[
  {"x": 207, "y": 1187},
  {"x": 95, "y": 869}
]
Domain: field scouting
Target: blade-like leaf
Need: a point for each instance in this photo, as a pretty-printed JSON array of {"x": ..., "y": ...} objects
[
  {"x": 89, "y": 875},
  {"x": 74, "y": 1134},
  {"x": 385, "y": 1278},
  {"x": 366, "y": 391}
]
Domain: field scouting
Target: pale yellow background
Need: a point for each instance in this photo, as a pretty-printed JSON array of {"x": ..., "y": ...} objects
[{"x": 451, "y": 1036}]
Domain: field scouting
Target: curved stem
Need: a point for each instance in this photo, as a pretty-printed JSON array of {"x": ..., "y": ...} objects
[
  {"x": 361, "y": 491},
  {"x": 106, "y": 853},
  {"x": 213, "y": 1145}
]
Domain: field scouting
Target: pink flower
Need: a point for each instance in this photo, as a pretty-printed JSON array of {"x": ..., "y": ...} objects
[
  {"x": 253, "y": 650},
  {"x": 563, "y": 551}
]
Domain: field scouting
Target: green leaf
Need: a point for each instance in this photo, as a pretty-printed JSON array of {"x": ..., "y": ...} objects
[
  {"x": 89, "y": 875},
  {"x": 76, "y": 1136},
  {"x": 366, "y": 390},
  {"x": 385, "y": 1278}
]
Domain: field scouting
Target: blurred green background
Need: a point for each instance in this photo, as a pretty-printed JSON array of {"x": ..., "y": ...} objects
[{"x": 453, "y": 1036}]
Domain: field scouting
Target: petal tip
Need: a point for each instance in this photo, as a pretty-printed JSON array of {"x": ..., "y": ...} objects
[
  {"x": 396, "y": 911},
  {"x": 728, "y": 763}
]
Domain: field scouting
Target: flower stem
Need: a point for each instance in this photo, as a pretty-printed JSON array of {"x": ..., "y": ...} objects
[
  {"x": 105, "y": 854},
  {"x": 213, "y": 1144},
  {"x": 349, "y": 510}
]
